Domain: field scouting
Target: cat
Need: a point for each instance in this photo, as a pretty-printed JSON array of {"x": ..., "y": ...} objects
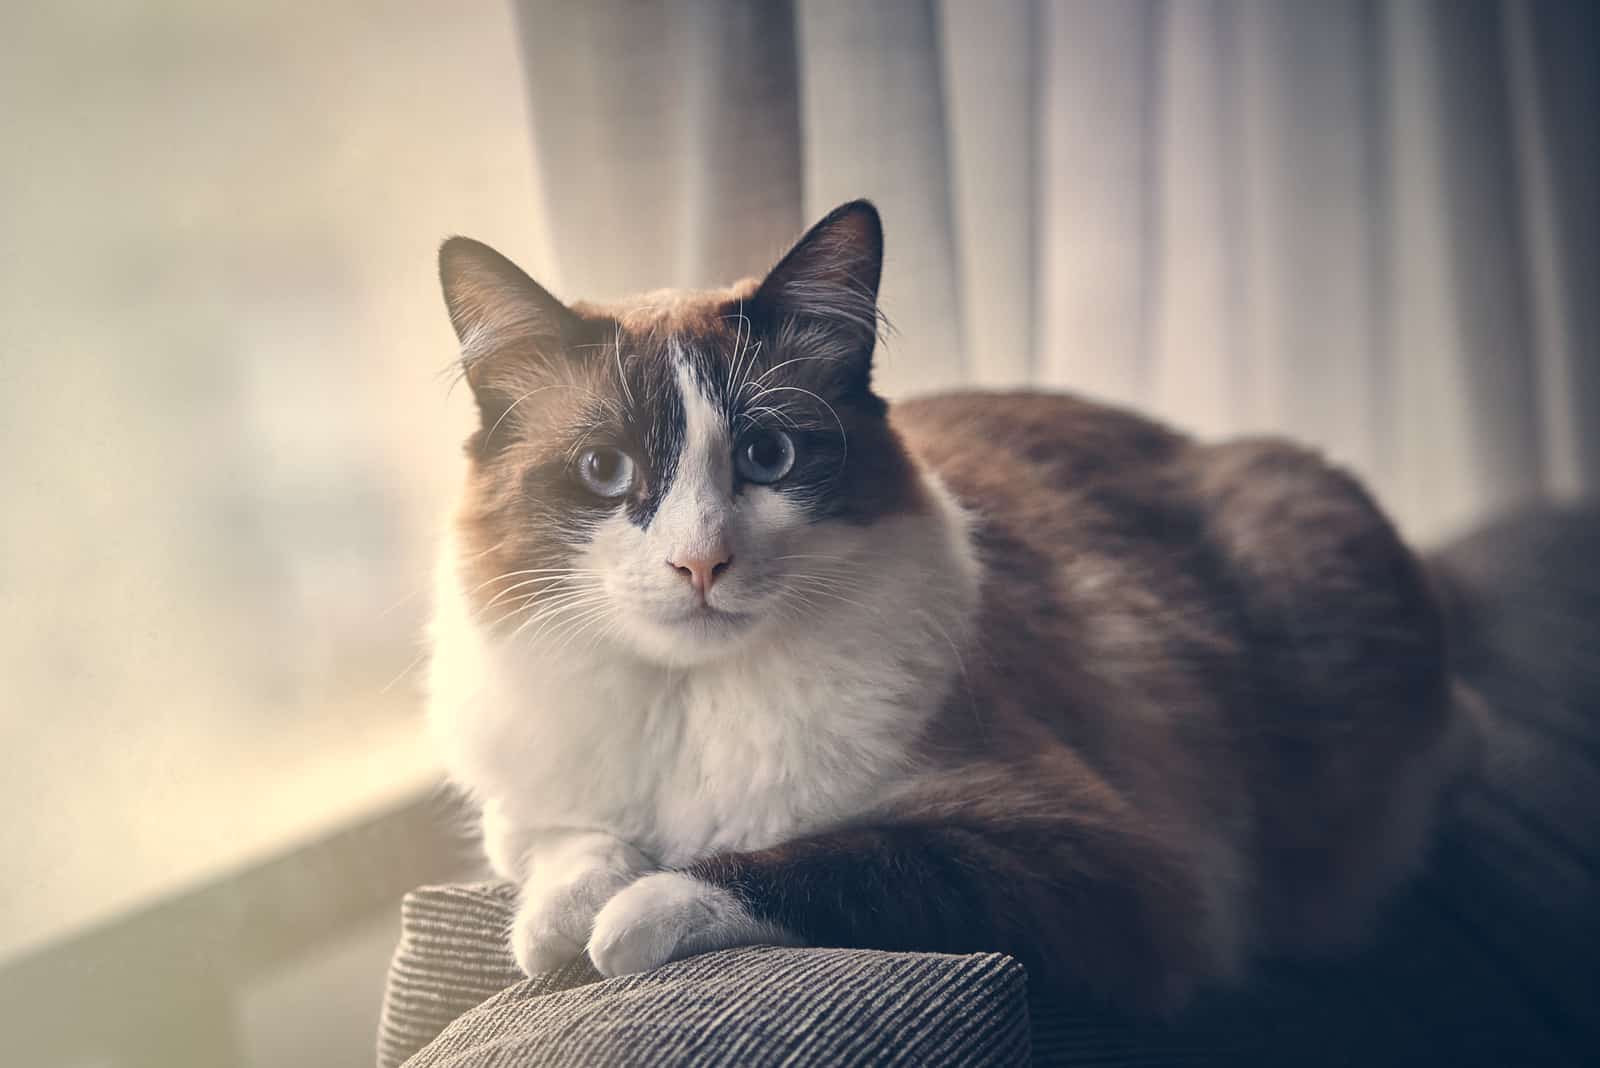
[{"x": 730, "y": 651}]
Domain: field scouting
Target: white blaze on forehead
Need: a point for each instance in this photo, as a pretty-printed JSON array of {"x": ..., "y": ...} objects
[{"x": 693, "y": 515}]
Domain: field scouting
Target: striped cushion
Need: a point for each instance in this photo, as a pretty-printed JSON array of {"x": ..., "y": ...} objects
[
  {"x": 761, "y": 1005},
  {"x": 454, "y": 952}
]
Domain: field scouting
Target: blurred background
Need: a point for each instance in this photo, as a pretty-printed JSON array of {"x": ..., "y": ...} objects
[{"x": 229, "y": 442}]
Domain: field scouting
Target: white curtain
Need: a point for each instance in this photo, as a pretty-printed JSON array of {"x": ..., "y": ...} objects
[{"x": 1371, "y": 226}]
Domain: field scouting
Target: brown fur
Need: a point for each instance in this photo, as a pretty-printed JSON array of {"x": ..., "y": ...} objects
[
  {"x": 1207, "y": 712},
  {"x": 1207, "y": 709}
]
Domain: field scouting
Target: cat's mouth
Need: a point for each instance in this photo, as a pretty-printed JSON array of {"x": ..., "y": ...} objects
[
  {"x": 702, "y": 614},
  {"x": 703, "y": 621},
  {"x": 691, "y": 634}
]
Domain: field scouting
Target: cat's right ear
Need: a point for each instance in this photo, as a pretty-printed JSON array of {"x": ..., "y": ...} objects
[
  {"x": 831, "y": 276},
  {"x": 508, "y": 324}
]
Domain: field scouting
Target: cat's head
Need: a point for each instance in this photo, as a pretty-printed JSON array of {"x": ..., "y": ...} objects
[{"x": 675, "y": 473}]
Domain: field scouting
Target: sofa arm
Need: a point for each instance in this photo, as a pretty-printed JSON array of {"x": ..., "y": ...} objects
[{"x": 456, "y": 997}]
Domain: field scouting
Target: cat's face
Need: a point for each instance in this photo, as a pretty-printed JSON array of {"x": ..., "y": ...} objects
[{"x": 682, "y": 474}]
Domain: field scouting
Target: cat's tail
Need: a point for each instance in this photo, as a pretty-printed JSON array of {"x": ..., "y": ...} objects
[{"x": 1522, "y": 608}]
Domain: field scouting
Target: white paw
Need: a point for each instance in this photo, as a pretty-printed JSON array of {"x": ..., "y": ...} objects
[
  {"x": 542, "y": 938},
  {"x": 555, "y": 916},
  {"x": 669, "y": 916}
]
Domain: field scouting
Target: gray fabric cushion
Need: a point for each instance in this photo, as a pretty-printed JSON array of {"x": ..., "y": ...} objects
[
  {"x": 757, "y": 1006},
  {"x": 453, "y": 954},
  {"x": 762, "y": 1005}
]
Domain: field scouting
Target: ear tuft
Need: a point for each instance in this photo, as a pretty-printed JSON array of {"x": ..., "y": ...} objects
[{"x": 831, "y": 275}]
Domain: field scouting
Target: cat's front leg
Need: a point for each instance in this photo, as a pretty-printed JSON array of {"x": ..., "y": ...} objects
[
  {"x": 1069, "y": 885},
  {"x": 569, "y": 876},
  {"x": 506, "y": 842}
]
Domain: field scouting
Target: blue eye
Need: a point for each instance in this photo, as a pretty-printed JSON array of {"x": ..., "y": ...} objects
[
  {"x": 764, "y": 456},
  {"x": 606, "y": 473}
]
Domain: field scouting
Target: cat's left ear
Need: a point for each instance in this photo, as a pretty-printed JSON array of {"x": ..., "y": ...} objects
[
  {"x": 829, "y": 280},
  {"x": 509, "y": 325}
]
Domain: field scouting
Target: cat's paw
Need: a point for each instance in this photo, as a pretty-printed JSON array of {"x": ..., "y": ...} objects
[
  {"x": 556, "y": 914},
  {"x": 669, "y": 916},
  {"x": 541, "y": 938}
]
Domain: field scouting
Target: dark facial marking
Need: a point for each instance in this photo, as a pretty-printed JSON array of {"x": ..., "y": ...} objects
[
  {"x": 760, "y": 372},
  {"x": 647, "y": 387}
]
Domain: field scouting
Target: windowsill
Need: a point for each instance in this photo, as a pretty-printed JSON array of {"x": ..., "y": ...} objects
[{"x": 226, "y": 815}]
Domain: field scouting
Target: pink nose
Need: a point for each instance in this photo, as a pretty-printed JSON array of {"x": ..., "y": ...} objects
[{"x": 703, "y": 569}]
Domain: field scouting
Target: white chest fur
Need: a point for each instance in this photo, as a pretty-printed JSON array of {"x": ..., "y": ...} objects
[
  {"x": 681, "y": 764},
  {"x": 794, "y": 732}
]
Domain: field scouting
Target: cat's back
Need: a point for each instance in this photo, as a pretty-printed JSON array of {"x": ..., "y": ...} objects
[
  {"x": 1083, "y": 509},
  {"x": 1094, "y": 562},
  {"x": 985, "y": 443},
  {"x": 1050, "y": 476},
  {"x": 1117, "y": 548}
]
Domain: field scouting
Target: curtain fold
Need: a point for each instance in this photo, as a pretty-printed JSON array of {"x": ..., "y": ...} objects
[
  {"x": 991, "y": 55},
  {"x": 1370, "y": 225},
  {"x": 1096, "y": 213},
  {"x": 874, "y": 125},
  {"x": 667, "y": 140}
]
